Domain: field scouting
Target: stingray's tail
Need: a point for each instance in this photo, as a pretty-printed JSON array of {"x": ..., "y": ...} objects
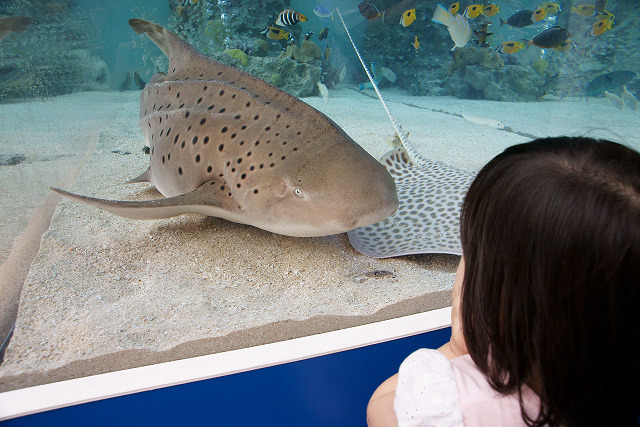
[{"x": 416, "y": 158}]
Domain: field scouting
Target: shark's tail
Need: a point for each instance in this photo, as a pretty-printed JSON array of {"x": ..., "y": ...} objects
[{"x": 416, "y": 158}]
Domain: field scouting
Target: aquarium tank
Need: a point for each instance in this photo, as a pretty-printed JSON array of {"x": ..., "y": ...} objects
[{"x": 188, "y": 177}]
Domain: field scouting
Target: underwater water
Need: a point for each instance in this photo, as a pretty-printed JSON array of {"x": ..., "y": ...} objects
[{"x": 85, "y": 291}]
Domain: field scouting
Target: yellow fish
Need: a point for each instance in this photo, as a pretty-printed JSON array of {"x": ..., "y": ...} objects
[
  {"x": 565, "y": 46},
  {"x": 552, "y": 8},
  {"x": 416, "y": 44},
  {"x": 491, "y": 9},
  {"x": 510, "y": 47},
  {"x": 606, "y": 15},
  {"x": 454, "y": 7},
  {"x": 539, "y": 14},
  {"x": 275, "y": 33},
  {"x": 473, "y": 11},
  {"x": 187, "y": 2},
  {"x": 600, "y": 27},
  {"x": 584, "y": 9},
  {"x": 408, "y": 17}
]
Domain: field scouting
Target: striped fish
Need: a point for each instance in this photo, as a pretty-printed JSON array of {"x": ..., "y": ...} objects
[{"x": 290, "y": 17}]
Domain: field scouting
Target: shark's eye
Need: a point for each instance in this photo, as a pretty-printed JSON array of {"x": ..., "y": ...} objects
[{"x": 297, "y": 192}]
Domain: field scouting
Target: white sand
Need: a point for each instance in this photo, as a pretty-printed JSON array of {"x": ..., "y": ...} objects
[{"x": 103, "y": 287}]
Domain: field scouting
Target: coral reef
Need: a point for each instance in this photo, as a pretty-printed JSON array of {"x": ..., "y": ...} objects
[
  {"x": 508, "y": 83},
  {"x": 309, "y": 51},
  {"x": 239, "y": 55},
  {"x": 298, "y": 79},
  {"x": 471, "y": 55},
  {"x": 58, "y": 53}
]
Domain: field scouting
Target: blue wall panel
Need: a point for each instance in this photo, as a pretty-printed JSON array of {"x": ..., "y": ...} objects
[{"x": 331, "y": 390}]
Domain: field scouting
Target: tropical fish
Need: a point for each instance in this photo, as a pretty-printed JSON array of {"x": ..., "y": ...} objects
[
  {"x": 13, "y": 23},
  {"x": 605, "y": 15},
  {"x": 482, "y": 34},
  {"x": 408, "y": 17},
  {"x": 615, "y": 100},
  {"x": 323, "y": 12},
  {"x": 430, "y": 194},
  {"x": 275, "y": 33},
  {"x": 539, "y": 14},
  {"x": 457, "y": 25},
  {"x": 519, "y": 19},
  {"x": 323, "y": 34},
  {"x": 510, "y": 47},
  {"x": 324, "y": 92},
  {"x": 308, "y": 35},
  {"x": 584, "y": 9},
  {"x": 552, "y": 8},
  {"x": 609, "y": 81},
  {"x": 481, "y": 121},
  {"x": 600, "y": 27},
  {"x": 473, "y": 11},
  {"x": 565, "y": 46},
  {"x": 290, "y": 17},
  {"x": 551, "y": 37},
  {"x": 369, "y": 11},
  {"x": 454, "y": 7},
  {"x": 327, "y": 52},
  {"x": 491, "y": 10},
  {"x": 188, "y": 2},
  {"x": 378, "y": 74},
  {"x": 227, "y": 144},
  {"x": 416, "y": 44},
  {"x": 630, "y": 101}
]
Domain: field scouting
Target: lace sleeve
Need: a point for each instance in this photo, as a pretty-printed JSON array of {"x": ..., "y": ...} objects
[{"x": 427, "y": 394}]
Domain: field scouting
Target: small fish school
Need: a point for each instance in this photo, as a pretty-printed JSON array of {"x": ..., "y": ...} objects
[{"x": 457, "y": 20}]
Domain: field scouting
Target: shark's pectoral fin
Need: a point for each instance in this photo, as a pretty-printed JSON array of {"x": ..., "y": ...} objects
[
  {"x": 209, "y": 199},
  {"x": 144, "y": 177}
]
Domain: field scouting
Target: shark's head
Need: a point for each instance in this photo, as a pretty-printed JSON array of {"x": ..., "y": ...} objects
[{"x": 340, "y": 188}]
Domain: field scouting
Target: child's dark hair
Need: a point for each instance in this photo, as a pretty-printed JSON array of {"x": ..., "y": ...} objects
[{"x": 550, "y": 234}]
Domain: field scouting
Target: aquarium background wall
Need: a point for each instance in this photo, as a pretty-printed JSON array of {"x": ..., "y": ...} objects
[{"x": 83, "y": 291}]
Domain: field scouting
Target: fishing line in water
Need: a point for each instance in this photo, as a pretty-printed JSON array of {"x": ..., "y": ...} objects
[{"x": 417, "y": 158}]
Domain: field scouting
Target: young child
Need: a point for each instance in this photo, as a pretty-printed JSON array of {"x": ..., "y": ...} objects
[{"x": 546, "y": 300}]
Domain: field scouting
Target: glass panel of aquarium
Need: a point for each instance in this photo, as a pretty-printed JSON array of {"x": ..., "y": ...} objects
[{"x": 183, "y": 178}]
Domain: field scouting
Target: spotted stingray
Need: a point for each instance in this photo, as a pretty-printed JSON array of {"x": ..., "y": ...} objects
[
  {"x": 430, "y": 194},
  {"x": 227, "y": 144}
]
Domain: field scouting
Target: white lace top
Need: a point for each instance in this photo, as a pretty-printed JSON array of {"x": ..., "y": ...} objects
[{"x": 435, "y": 391}]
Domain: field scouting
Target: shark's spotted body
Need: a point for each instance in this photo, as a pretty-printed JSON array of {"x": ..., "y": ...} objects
[{"x": 227, "y": 144}]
